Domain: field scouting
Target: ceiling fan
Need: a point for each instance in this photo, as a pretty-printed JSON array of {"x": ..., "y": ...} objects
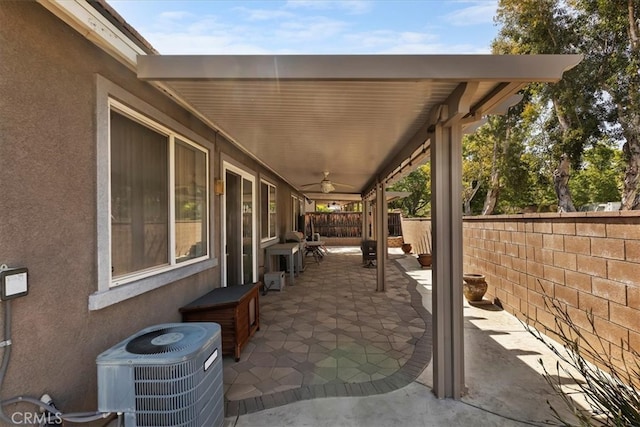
[{"x": 326, "y": 186}]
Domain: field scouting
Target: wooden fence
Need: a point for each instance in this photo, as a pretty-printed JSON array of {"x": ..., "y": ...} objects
[{"x": 344, "y": 224}]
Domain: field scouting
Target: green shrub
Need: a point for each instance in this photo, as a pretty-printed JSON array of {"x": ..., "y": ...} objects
[{"x": 610, "y": 387}]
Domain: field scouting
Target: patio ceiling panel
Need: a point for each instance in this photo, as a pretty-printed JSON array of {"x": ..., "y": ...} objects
[
  {"x": 302, "y": 128},
  {"x": 358, "y": 117}
]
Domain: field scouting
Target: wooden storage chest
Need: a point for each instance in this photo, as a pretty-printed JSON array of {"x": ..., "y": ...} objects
[{"x": 235, "y": 308}]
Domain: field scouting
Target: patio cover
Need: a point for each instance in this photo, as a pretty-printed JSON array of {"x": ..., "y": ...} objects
[
  {"x": 366, "y": 119},
  {"x": 358, "y": 117}
]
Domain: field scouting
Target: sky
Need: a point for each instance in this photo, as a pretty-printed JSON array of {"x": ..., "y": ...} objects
[{"x": 313, "y": 26}]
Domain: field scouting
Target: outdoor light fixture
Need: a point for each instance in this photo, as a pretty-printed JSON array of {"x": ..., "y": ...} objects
[
  {"x": 218, "y": 187},
  {"x": 326, "y": 186}
]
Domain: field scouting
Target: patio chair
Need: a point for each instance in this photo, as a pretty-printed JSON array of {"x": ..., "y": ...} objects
[
  {"x": 314, "y": 248},
  {"x": 368, "y": 248}
]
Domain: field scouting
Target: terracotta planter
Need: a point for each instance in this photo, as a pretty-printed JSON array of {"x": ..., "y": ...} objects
[
  {"x": 406, "y": 248},
  {"x": 474, "y": 286},
  {"x": 424, "y": 260}
]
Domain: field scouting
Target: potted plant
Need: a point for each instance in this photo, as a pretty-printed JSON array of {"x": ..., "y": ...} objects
[
  {"x": 424, "y": 250},
  {"x": 474, "y": 287}
]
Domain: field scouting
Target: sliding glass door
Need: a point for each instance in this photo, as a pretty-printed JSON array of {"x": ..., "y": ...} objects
[{"x": 239, "y": 237}]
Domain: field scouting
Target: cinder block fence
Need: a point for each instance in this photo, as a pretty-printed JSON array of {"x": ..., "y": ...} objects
[{"x": 587, "y": 260}]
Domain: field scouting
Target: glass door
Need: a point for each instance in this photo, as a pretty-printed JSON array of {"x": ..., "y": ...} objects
[
  {"x": 247, "y": 232},
  {"x": 239, "y": 224}
]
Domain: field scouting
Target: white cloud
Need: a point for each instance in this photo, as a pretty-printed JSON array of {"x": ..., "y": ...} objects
[
  {"x": 480, "y": 12},
  {"x": 434, "y": 48},
  {"x": 289, "y": 30},
  {"x": 170, "y": 20},
  {"x": 350, "y": 6},
  {"x": 264, "y": 14},
  {"x": 386, "y": 41},
  {"x": 378, "y": 39},
  {"x": 316, "y": 28},
  {"x": 174, "y": 15},
  {"x": 208, "y": 36},
  {"x": 193, "y": 44}
]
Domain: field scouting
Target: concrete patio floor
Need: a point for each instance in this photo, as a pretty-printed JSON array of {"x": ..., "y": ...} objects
[{"x": 333, "y": 352}]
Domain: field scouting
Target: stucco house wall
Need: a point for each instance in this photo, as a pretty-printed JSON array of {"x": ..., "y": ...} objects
[{"x": 48, "y": 211}]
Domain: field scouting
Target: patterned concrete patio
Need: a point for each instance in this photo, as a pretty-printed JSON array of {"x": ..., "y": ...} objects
[{"x": 331, "y": 334}]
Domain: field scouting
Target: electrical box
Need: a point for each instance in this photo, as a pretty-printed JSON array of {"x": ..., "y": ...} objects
[
  {"x": 274, "y": 281},
  {"x": 13, "y": 283}
]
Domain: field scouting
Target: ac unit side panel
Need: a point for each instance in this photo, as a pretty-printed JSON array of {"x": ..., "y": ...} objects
[{"x": 115, "y": 393}]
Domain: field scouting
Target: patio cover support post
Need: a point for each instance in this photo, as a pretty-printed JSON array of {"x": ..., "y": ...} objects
[
  {"x": 381, "y": 236},
  {"x": 373, "y": 228},
  {"x": 365, "y": 219},
  {"x": 448, "y": 332}
]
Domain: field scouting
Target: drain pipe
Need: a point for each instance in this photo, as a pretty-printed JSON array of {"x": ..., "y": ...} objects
[{"x": 6, "y": 343}]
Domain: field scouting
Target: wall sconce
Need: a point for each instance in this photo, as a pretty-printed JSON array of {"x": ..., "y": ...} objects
[{"x": 218, "y": 187}]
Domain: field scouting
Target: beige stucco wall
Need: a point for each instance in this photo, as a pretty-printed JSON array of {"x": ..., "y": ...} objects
[
  {"x": 415, "y": 232},
  {"x": 48, "y": 206},
  {"x": 588, "y": 261}
]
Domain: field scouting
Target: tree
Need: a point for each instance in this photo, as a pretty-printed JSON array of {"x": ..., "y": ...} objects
[
  {"x": 610, "y": 37},
  {"x": 561, "y": 185},
  {"x": 543, "y": 27},
  {"x": 476, "y": 166},
  {"x": 418, "y": 183},
  {"x": 601, "y": 176},
  {"x": 494, "y": 158},
  {"x": 599, "y": 96}
]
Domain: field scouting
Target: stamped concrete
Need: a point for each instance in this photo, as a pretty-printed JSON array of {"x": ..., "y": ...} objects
[
  {"x": 331, "y": 334},
  {"x": 503, "y": 375}
]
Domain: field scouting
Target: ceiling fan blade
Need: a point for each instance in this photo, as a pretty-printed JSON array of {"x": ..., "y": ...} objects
[
  {"x": 342, "y": 185},
  {"x": 326, "y": 185}
]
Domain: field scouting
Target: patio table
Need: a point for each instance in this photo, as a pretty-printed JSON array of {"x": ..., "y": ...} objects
[{"x": 289, "y": 250}]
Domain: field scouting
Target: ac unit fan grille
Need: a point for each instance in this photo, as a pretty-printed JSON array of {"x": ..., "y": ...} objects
[{"x": 165, "y": 340}]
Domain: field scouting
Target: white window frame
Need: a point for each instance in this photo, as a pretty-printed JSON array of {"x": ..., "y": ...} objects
[
  {"x": 268, "y": 224},
  {"x": 109, "y": 96},
  {"x": 228, "y": 165},
  {"x": 172, "y": 136}
]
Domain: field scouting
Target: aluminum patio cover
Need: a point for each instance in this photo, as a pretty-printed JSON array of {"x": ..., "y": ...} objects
[
  {"x": 357, "y": 116},
  {"x": 366, "y": 119}
]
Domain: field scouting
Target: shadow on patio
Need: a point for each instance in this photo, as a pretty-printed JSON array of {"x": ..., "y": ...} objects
[{"x": 331, "y": 334}]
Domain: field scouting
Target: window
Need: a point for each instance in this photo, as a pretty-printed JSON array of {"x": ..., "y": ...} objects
[
  {"x": 268, "y": 210},
  {"x": 159, "y": 197},
  {"x": 153, "y": 204}
]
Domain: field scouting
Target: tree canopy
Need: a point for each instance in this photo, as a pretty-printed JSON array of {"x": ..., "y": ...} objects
[
  {"x": 418, "y": 183},
  {"x": 591, "y": 116}
]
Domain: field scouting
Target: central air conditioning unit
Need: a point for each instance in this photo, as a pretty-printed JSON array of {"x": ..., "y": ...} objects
[{"x": 165, "y": 375}]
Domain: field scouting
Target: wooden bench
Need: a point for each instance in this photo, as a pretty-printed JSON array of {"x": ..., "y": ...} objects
[{"x": 235, "y": 308}]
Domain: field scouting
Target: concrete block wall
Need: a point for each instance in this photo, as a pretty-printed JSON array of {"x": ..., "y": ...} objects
[{"x": 588, "y": 261}]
